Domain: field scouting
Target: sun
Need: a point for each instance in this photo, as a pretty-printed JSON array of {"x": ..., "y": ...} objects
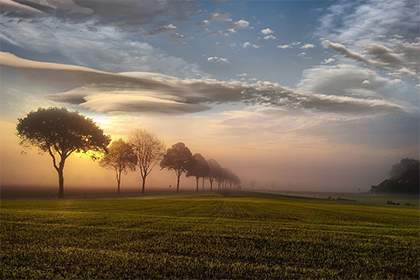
[{"x": 102, "y": 120}]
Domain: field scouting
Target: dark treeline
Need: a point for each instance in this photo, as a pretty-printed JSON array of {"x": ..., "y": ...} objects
[
  {"x": 60, "y": 133},
  {"x": 403, "y": 179}
]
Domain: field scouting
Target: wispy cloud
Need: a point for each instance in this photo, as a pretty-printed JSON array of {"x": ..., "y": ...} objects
[
  {"x": 219, "y": 16},
  {"x": 165, "y": 29},
  {"x": 105, "y": 13},
  {"x": 150, "y": 92},
  {"x": 218, "y": 59}
]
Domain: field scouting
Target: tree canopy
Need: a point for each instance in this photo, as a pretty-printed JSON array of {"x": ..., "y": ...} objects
[
  {"x": 214, "y": 170},
  {"x": 403, "y": 178},
  {"x": 120, "y": 158},
  {"x": 60, "y": 133},
  {"x": 198, "y": 167},
  {"x": 177, "y": 158}
]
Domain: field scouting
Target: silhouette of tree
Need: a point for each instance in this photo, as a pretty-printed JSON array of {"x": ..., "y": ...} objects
[
  {"x": 149, "y": 151},
  {"x": 404, "y": 178},
  {"x": 198, "y": 167},
  {"x": 177, "y": 158},
  {"x": 120, "y": 158},
  {"x": 224, "y": 177},
  {"x": 236, "y": 181},
  {"x": 61, "y": 133},
  {"x": 214, "y": 171}
]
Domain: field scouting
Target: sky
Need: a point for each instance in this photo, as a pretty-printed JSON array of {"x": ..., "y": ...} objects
[{"x": 295, "y": 95}]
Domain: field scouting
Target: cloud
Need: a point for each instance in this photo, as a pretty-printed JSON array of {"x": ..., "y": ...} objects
[
  {"x": 403, "y": 72},
  {"x": 204, "y": 22},
  {"x": 162, "y": 30},
  {"x": 307, "y": 46},
  {"x": 9, "y": 6},
  {"x": 249, "y": 45},
  {"x": 350, "y": 20},
  {"x": 380, "y": 34},
  {"x": 383, "y": 54},
  {"x": 329, "y": 60},
  {"x": 218, "y": 59},
  {"x": 219, "y": 16},
  {"x": 238, "y": 24},
  {"x": 267, "y": 31},
  {"x": 284, "y": 46},
  {"x": 103, "y": 48},
  {"x": 153, "y": 92},
  {"x": 269, "y": 37},
  {"x": 380, "y": 57},
  {"x": 346, "y": 80},
  {"x": 220, "y": 32},
  {"x": 109, "y": 13},
  {"x": 177, "y": 37},
  {"x": 344, "y": 51}
]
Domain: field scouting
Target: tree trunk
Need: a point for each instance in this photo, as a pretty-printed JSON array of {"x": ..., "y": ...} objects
[
  {"x": 203, "y": 184},
  {"x": 177, "y": 183},
  {"x": 119, "y": 180},
  {"x": 197, "y": 182},
  {"x": 60, "y": 183},
  {"x": 211, "y": 185},
  {"x": 144, "y": 185}
]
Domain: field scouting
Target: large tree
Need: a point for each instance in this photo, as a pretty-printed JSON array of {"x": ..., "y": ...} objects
[
  {"x": 148, "y": 150},
  {"x": 198, "y": 168},
  {"x": 214, "y": 171},
  {"x": 60, "y": 133},
  {"x": 120, "y": 158},
  {"x": 177, "y": 158}
]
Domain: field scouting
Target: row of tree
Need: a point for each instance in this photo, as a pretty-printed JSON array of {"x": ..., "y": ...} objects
[
  {"x": 144, "y": 151},
  {"x": 60, "y": 133}
]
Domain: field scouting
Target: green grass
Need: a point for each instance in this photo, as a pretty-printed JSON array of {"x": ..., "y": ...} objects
[{"x": 237, "y": 235}]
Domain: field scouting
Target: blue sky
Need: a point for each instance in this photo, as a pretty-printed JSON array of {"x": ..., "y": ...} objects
[{"x": 278, "y": 82}]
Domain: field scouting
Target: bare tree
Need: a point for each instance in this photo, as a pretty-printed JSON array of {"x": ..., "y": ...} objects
[
  {"x": 61, "y": 133},
  {"x": 120, "y": 158},
  {"x": 177, "y": 158},
  {"x": 198, "y": 168},
  {"x": 149, "y": 151}
]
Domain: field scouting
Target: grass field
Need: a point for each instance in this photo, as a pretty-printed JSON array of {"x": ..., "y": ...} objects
[{"x": 211, "y": 235}]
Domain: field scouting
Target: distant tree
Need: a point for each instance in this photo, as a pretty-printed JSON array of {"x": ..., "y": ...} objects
[
  {"x": 149, "y": 151},
  {"x": 235, "y": 181},
  {"x": 177, "y": 158},
  {"x": 252, "y": 184},
  {"x": 60, "y": 133},
  {"x": 198, "y": 168},
  {"x": 225, "y": 177},
  {"x": 120, "y": 158},
  {"x": 214, "y": 171},
  {"x": 404, "y": 178},
  {"x": 404, "y": 168}
]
